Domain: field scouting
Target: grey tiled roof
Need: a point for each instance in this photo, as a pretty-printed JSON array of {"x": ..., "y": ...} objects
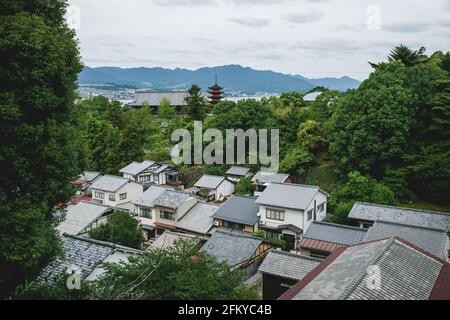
[
  {"x": 232, "y": 248},
  {"x": 79, "y": 216},
  {"x": 168, "y": 239},
  {"x": 135, "y": 168},
  {"x": 433, "y": 241},
  {"x": 269, "y": 177},
  {"x": 89, "y": 175},
  {"x": 161, "y": 168},
  {"x": 405, "y": 274},
  {"x": 83, "y": 253},
  {"x": 239, "y": 209},
  {"x": 288, "y": 265},
  {"x": 420, "y": 218},
  {"x": 287, "y": 195},
  {"x": 335, "y": 233},
  {"x": 238, "y": 171},
  {"x": 209, "y": 182},
  {"x": 171, "y": 199},
  {"x": 155, "y": 98},
  {"x": 109, "y": 183},
  {"x": 199, "y": 219},
  {"x": 162, "y": 196}
]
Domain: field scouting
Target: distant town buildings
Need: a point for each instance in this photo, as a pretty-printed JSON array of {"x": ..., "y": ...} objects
[{"x": 177, "y": 99}]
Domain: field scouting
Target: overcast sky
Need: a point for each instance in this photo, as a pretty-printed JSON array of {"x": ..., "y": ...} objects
[{"x": 314, "y": 38}]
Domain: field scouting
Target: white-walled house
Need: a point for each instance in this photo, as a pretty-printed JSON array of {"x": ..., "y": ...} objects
[
  {"x": 160, "y": 207},
  {"x": 116, "y": 191},
  {"x": 236, "y": 173},
  {"x": 262, "y": 179},
  {"x": 215, "y": 187},
  {"x": 149, "y": 172},
  {"x": 287, "y": 210}
]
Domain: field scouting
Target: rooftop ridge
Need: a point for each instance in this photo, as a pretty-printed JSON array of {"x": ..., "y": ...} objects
[
  {"x": 95, "y": 203},
  {"x": 402, "y": 208},
  {"x": 362, "y": 273},
  {"x": 302, "y": 185},
  {"x": 238, "y": 235},
  {"x": 244, "y": 196},
  {"x": 339, "y": 225},
  {"x": 102, "y": 243},
  {"x": 213, "y": 175},
  {"x": 410, "y": 226},
  {"x": 116, "y": 177},
  {"x": 297, "y": 185},
  {"x": 296, "y": 255}
]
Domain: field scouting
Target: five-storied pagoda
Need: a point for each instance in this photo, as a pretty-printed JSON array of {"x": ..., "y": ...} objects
[{"x": 215, "y": 94}]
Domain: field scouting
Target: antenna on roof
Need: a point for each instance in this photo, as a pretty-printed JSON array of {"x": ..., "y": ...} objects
[{"x": 216, "y": 78}]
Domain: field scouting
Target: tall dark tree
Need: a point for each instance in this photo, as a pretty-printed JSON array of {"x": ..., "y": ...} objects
[
  {"x": 196, "y": 104},
  {"x": 39, "y": 62},
  {"x": 406, "y": 55}
]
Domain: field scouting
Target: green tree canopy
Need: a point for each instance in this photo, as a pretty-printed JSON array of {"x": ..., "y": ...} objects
[
  {"x": 39, "y": 152},
  {"x": 121, "y": 228},
  {"x": 165, "y": 110},
  {"x": 244, "y": 186},
  {"x": 358, "y": 188},
  {"x": 197, "y": 105}
]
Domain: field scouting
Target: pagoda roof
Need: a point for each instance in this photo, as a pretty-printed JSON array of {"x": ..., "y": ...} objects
[{"x": 215, "y": 87}]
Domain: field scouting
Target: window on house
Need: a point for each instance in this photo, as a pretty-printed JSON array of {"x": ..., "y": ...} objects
[
  {"x": 112, "y": 197},
  {"x": 122, "y": 196},
  {"x": 99, "y": 195},
  {"x": 146, "y": 213},
  {"x": 156, "y": 178},
  {"x": 232, "y": 225},
  {"x": 275, "y": 214},
  {"x": 321, "y": 207},
  {"x": 145, "y": 178},
  {"x": 310, "y": 215},
  {"x": 167, "y": 215}
]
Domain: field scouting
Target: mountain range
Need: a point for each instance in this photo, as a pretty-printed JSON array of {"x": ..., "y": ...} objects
[{"x": 234, "y": 78}]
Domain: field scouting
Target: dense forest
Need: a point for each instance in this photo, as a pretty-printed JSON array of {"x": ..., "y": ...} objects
[{"x": 386, "y": 142}]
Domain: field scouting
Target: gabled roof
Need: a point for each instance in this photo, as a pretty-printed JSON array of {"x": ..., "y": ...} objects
[
  {"x": 80, "y": 216},
  {"x": 89, "y": 176},
  {"x": 109, "y": 183},
  {"x": 412, "y": 217},
  {"x": 135, "y": 168},
  {"x": 82, "y": 253},
  {"x": 269, "y": 177},
  {"x": 230, "y": 247},
  {"x": 433, "y": 241},
  {"x": 239, "y": 209},
  {"x": 288, "y": 265},
  {"x": 168, "y": 239},
  {"x": 335, "y": 233},
  {"x": 237, "y": 171},
  {"x": 162, "y": 196},
  {"x": 288, "y": 195},
  {"x": 199, "y": 219},
  {"x": 406, "y": 273},
  {"x": 209, "y": 182},
  {"x": 319, "y": 245}
]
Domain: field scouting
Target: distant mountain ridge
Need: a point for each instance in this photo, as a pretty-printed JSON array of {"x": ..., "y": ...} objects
[{"x": 234, "y": 78}]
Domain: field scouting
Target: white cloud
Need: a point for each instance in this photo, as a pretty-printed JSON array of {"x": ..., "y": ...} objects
[{"x": 314, "y": 38}]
